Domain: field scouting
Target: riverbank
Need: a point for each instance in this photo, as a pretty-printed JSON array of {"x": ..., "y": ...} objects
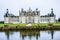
[
  {"x": 41, "y": 26},
  {"x": 30, "y": 28}
]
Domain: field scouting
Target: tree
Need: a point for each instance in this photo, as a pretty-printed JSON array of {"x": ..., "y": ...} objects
[
  {"x": 58, "y": 19},
  {"x": 1, "y": 22}
]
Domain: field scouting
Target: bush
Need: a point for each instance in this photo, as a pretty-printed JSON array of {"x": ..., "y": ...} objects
[
  {"x": 59, "y": 20},
  {"x": 1, "y": 22}
]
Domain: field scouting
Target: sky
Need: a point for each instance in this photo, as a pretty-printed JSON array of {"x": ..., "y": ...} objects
[{"x": 44, "y": 6}]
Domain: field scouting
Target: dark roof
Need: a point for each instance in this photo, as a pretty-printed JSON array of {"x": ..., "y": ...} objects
[
  {"x": 14, "y": 16},
  {"x": 6, "y": 15},
  {"x": 10, "y": 15},
  {"x": 49, "y": 15},
  {"x": 52, "y": 14},
  {"x": 44, "y": 16}
]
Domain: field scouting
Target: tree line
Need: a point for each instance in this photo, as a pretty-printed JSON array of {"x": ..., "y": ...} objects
[{"x": 1, "y": 22}]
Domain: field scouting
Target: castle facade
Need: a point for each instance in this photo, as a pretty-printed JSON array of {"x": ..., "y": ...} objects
[{"x": 29, "y": 16}]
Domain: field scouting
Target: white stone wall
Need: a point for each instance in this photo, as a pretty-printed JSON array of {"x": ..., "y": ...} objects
[
  {"x": 23, "y": 19},
  {"x": 36, "y": 19},
  {"x": 20, "y": 19},
  {"x": 15, "y": 20},
  {"x": 29, "y": 19},
  {"x": 44, "y": 20},
  {"x": 11, "y": 20},
  {"x": 6, "y": 19},
  {"x": 52, "y": 19},
  {"x": 47, "y": 19}
]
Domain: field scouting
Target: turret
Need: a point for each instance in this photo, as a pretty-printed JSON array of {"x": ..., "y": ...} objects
[
  {"x": 19, "y": 13},
  {"x": 6, "y": 17},
  {"x": 51, "y": 10},
  {"x": 52, "y": 14},
  {"x": 7, "y": 13},
  {"x": 22, "y": 12},
  {"x": 37, "y": 12},
  {"x": 30, "y": 10}
]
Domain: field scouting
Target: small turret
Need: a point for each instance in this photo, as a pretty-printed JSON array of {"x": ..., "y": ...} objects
[
  {"x": 52, "y": 14},
  {"x": 29, "y": 9},
  {"x": 7, "y": 13},
  {"x": 19, "y": 13},
  {"x": 37, "y": 12},
  {"x": 22, "y": 10},
  {"x": 36, "y": 9},
  {"x": 51, "y": 10},
  {"x": 6, "y": 17}
]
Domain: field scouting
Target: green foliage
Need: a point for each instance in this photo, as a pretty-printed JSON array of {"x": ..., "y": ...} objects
[
  {"x": 22, "y": 25},
  {"x": 56, "y": 24},
  {"x": 13, "y": 25},
  {"x": 33, "y": 24},
  {"x": 1, "y": 25},
  {"x": 41, "y": 24},
  {"x": 1, "y": 22},
  {"x": 59, "y": 20}
]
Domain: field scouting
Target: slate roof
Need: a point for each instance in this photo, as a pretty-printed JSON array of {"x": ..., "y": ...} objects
[
  {"x": 10, "y": 15},
  {"x": 49, "y": 15},
  {"x": 6, "y": 15}
]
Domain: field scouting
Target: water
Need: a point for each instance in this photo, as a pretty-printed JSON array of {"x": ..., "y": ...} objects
[{"x": 30, "y": 35}]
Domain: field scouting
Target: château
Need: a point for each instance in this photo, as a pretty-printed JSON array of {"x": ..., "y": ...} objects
[{"x": 29, "y": 16}]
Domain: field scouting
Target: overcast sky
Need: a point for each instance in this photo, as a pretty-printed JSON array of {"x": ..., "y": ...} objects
[{"x": 44, "y": 6}]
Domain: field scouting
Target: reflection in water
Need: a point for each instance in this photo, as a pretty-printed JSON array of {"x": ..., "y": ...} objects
[
  {"x": 30, "y": 35},
  {"x": 52, "y": 33},
  {"x": 8, "y": 33}
]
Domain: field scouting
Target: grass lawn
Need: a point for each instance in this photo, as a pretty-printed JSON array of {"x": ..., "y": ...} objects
[
  {"x": 13, "y": 25},
  {"x": 23, "y": 25},
  {"x": 41, "y": 24},
  {"x": 1, "y": 25},
  {"x": 56, "y": 24}
]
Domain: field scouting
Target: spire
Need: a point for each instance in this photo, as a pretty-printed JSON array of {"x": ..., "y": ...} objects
[
  {"x": 7, "y": 11},
  {"x": 36, "y": 9},
  {"x": 52, "y": 14},
  {"x": 22, "y": 10},
  {"x": 19, "y": 12},
  {"x": 29, "y": 9},
  {"x": 37, "y": 12},
  {"x": 51, "y": 10}
]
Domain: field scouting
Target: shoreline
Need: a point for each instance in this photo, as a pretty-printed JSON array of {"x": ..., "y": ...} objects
[
  {"x": 45, "y": 26},
  {"x": 30, "y": 28}
]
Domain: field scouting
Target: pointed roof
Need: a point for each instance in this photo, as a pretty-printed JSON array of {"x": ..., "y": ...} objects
[{"x": 7, "y": 13}]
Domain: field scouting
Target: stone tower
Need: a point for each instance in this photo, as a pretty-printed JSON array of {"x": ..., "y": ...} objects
[
  {"x": 6, "y": 17},
  {"x": 29, "y": 16}
]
